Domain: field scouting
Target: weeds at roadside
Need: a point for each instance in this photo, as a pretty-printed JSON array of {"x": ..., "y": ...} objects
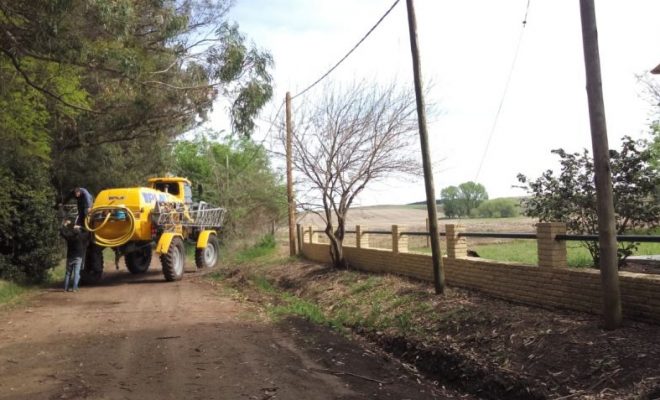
[
  {"x": 10, "y": 292},
  {"x": 265, "y": 247},
  {"x": 495, "y": 344},
  {"x": 371, "y": 303},
  {"x": 295, "y": 306}
]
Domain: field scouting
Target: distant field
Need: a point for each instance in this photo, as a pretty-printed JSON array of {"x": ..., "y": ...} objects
[{"x": 413, "y": 218}]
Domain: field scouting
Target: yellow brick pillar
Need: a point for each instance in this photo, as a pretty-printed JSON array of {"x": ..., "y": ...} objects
[
  {"x": 551, "y": 252},
  {"x": 361, "y": 238},
  {"x": 456, "y": 245},
  {"x": 399, "y": 242}
]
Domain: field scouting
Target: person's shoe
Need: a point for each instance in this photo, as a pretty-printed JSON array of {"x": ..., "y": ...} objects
[{"x": 75, "y": 290}]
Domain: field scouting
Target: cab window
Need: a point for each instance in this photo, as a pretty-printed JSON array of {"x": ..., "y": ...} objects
[
  {"x": 187, "y": 193},
  {"x": 167, "y": 187}
]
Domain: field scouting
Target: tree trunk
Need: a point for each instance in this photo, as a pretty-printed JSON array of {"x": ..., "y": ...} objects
[
  {"x": 336, "y": 246},
  {"x": 337, "y": 253}
]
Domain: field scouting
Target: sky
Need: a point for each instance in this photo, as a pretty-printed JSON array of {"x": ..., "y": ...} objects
[{"x": 467, "y": 49}]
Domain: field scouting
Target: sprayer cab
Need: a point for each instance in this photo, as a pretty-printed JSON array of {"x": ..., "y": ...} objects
[
  {"x": 177, "y": 187},
  {"x": 134, "y": 221}
]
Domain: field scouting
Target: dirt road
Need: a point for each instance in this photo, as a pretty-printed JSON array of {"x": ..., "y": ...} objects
[{"x": 137, "y": 337}]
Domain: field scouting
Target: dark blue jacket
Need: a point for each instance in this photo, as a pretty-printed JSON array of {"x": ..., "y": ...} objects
[{"x": 84, "y": 202}]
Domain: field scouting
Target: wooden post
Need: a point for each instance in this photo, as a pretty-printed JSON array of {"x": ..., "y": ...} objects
[
  {"x": 428, "y": 238},
  {"x": 438, "y": 270},
  {"x": 299, "y": 236},
  {"x": 609, "y": 271},
  {"x": 361, "y": 238},
  {"x": 289, "y": 180},
  {"x": 312, "y": 235}
]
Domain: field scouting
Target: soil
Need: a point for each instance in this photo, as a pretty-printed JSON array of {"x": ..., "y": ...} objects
[
  {"x": 495, "y": 349},
  {"x": 138, "y": 337},
  {"x": 646, "y": 267}
]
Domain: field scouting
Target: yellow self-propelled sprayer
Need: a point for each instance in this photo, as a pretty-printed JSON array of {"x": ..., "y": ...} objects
[{"x": 132, "y": 221}]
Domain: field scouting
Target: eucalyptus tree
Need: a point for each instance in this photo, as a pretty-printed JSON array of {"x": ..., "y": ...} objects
[{"x": 94, "y": 91}]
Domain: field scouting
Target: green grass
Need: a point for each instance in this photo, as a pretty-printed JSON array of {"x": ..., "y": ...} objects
[
  {"x": 296, "y": 306},
  {"x": 56, "y": 275},
  {"x": 265, "y": 247},
  {"x": 217, "y": 276},
  {"x": 521, "y": 251},
  {"x": 525, "y": 251},
  {"x": 10, "y": 292}
]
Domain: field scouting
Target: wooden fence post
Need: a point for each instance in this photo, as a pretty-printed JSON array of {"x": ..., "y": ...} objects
[{"x": 299, "y": 237}]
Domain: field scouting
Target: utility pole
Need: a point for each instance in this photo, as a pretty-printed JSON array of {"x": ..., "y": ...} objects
[
  {"x": 438, "y": 271},
  {"x": 609, "y": 272},
  {"x": 289, "y": 180}
]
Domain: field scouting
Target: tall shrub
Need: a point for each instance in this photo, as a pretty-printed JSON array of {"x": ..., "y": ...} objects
[{"x": 570, "y": 197}]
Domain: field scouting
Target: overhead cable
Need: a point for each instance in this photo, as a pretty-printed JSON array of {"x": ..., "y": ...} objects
[
  {"x": 506, "y": 89},
  {"x": 349, "y": 52}
]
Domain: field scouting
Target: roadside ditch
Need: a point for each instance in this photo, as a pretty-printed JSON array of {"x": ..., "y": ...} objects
[{"x": 487, "y": 347}]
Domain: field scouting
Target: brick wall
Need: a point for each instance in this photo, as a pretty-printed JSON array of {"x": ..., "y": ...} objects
[{"x": 572, "y": 289}]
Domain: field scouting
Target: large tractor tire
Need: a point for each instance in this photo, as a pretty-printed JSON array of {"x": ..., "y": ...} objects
[
  {"x": 138, "y": 262},
  {"x": 208, "y": 256},
  {"x": 174, "y": 260},
  {"x": 93, "y": 269}
]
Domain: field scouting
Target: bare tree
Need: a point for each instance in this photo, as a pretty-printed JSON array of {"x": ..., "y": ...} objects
[{"x": 343, "y": 141}]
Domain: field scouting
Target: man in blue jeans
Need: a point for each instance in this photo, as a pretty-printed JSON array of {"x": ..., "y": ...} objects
[{"x": 76, "y": 246}]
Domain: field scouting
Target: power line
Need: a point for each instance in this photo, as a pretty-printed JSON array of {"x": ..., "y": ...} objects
[
  {"x": 349, "y": 52},
  {"x": 506, "y": 89}
]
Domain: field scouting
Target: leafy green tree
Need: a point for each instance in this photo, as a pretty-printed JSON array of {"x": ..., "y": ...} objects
[
  {"x": 236, "y": 175},
  {"x": 651, "y": 91},
  {"x": 94, "y": 92},
  {"x": 450, "y": 197},
  {"x": 28, "y": 237},
  {"x": 498, "y": 208},
  {"x": 472, "y": 194},
  {"x": 463, "y": 200},
  {"x": 655, "y": 145},
  {"x": 570, "y": 197}
]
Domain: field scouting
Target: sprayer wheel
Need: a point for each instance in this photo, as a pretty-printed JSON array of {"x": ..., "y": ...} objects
[
  {"x": 93, "y": 269},
  {"x": 138, "y": 262},
  {"x": 208, "y": 256},
  {"x": 173, "y": 261}
]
